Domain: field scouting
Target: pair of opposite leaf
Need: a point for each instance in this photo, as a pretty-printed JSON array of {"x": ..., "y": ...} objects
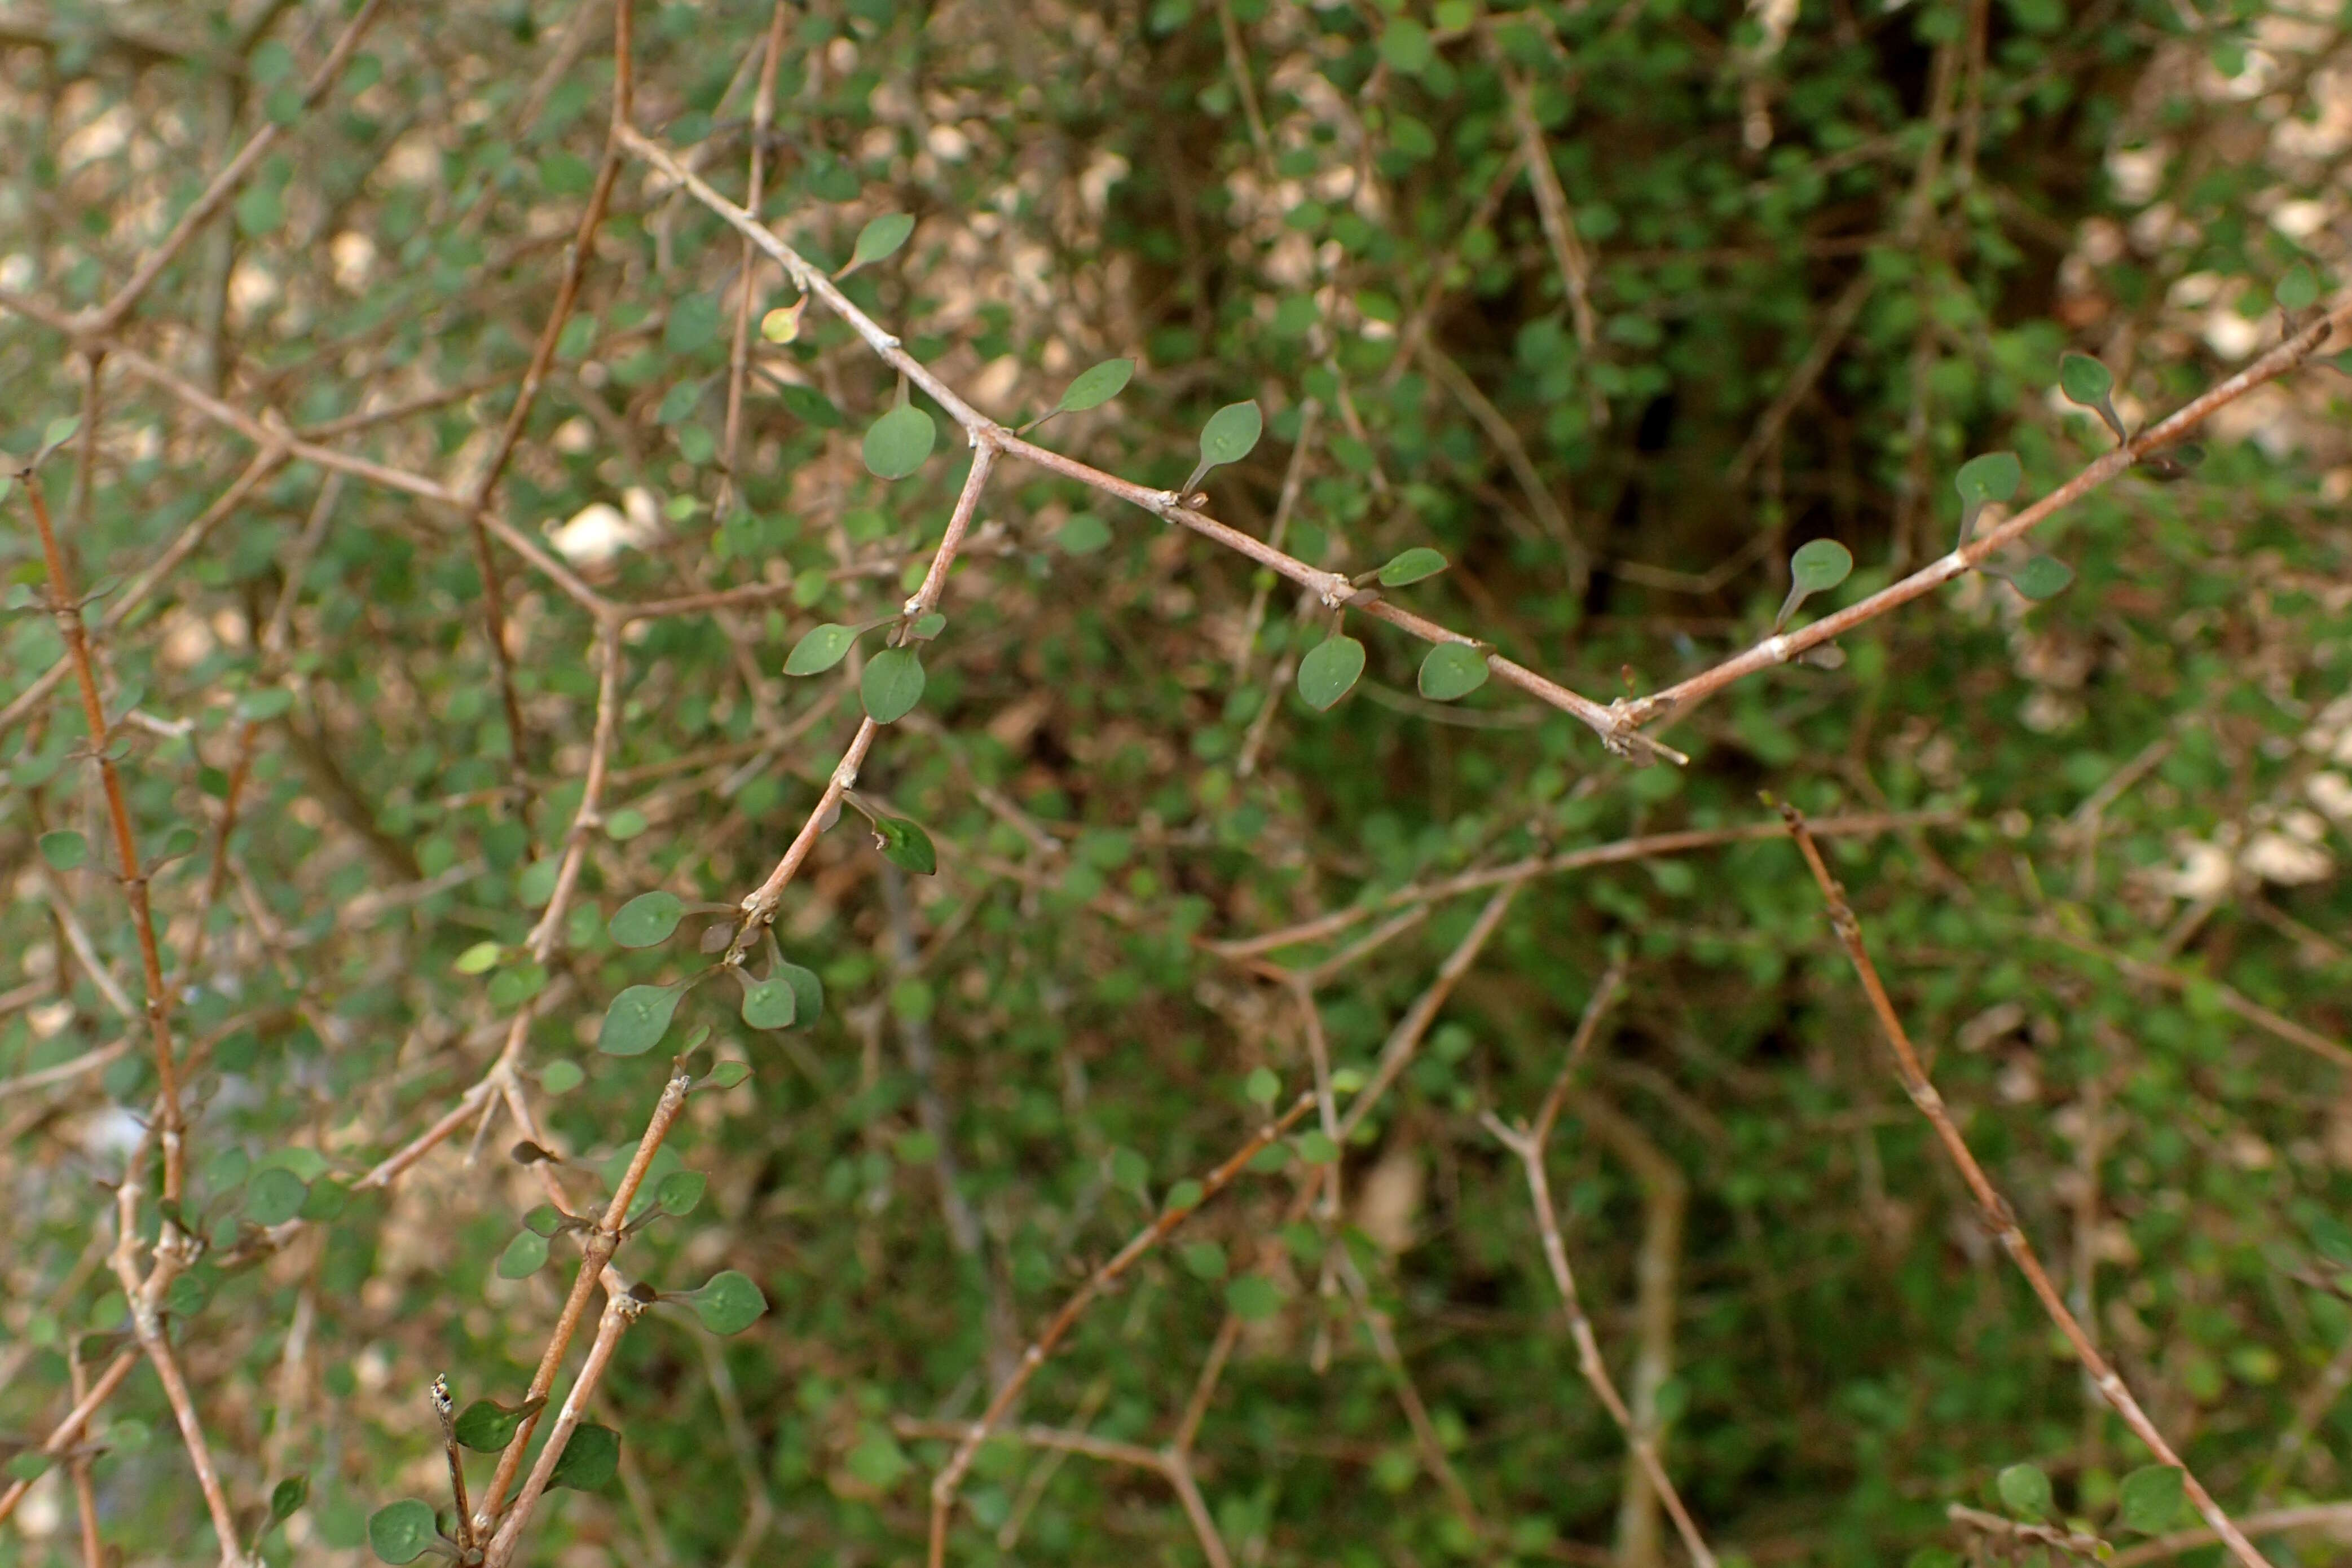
[{"x": 1330, "y": 668}]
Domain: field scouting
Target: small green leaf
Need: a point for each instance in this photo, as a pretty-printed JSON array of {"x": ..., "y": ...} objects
[
  {"x": 2299, "y": 289},
  {"x": 64, "y": 849},
  {"x": 561, "y": 1076},
  {"x": 1262, "y": 1087},
  {"x": 1254, "y": 1297},
  {"x": 2085, "y": 380},
  {"x": 286, "y": 1498},
  {"x": 808, "y": 993},
  {"x": 274, "y": 1196},
  {"x": 486, "y": 1427},
  {"x": 1820, "y": 564},
  {"x": 681, "y": 1191},
  {"x": 1411, "y": 566},
  {"x": 589, "y": 1458},
  {"x": 730, "y": 1304},
  {"x": 878, "y": 240},
  {"x": 1452, "y": 669},
  {"x": 769, "y": 1005},
  {"x": 327, "y": 1200},
  {"x": 1203, "y": 1259},
  {"x": 544, "y": 1220},
  {"x": 399, "y": 1533},
  {"x": 818, "y": 651},
  {"x": 899, "y": 441},
  {"x": 2042, "y": 577},
  {"x": 264, "y": 703},
  {"x": 728, "y": 1074},
  {"x": 2025, "y": 1492},
  {"x": 1185, "y": 1195},
  {"x": 905, "y": 845},
  {"x": 928, "y": 627},
  {"x": 1083, "y": 534},
  {"x": 1315, "y": 1148},
  {"x": 636, "y": 1020},
  {"x": 478, "y": 958},
  {"x": 1096, "y": 387},
  {"x": 647, "y": 919},
  {"x": 1230, "y": 435},
  {"x": 525, "y": 1255},
  {"x": 2148, "y": 1500},
  {"x": 1329, "y": 670},
  {"x": 892, "y": 685},
  {"x": 625, "y": 824},
  {"x": 1993, "y": 476},
  {"x": 29, "y": 1466}
]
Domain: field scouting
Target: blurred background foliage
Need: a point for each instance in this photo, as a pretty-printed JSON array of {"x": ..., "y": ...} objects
[{"x": 1615, "y": 304}]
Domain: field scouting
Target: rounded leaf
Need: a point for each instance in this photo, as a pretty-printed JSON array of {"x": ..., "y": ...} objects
[
  {"x": 1820, "y": 564},
  {"x": 2299, "y": 289},
  {"x": 286, "y": 1498},
  {"x": 525, "y": 1255},
  {"x": 478, "y": 958},
  {"x": 1411, "y": 566},
  {"x": 637, "y": 1019},
  {"x": 486, "y": 1427},
  {"x": 2148, "y": 1500},
  {"x": 1083, "y": 534},
  {"x": 783, "y": 324},
  {"x": 1254, "y": 1297},
  {"x": 905, "y": 845},
  {"x": 1329, "y": 670},
  {"x": 589, "y": 1458},
  {"x": 898, "y": 442},
  {"x": 561, "y": 1076},
  {"x": 1231, "y": 433},
  {"x": 2085, "y": 380},
  {"x": 821, "y": 648},
  {"x": 892, "y": 685},
  {"x": 274, "y": 1196},
  {"x": 2042, "y": 577},
  {"x": 681, "y": 1191},
  {"x": 878, "y": 240},
  {"x": 400, "y": 1531},
  {"x": 808, "y": 994},
  {"x": 1452, "y": 669},
  {"x": 64, "y": 849},
  {"x": 647, "y": 919},
  {"x": 730, "y": 1304},
  {"x": 2026, "y": 1490},
  {"x": 1096, "y": 387},
  {"x": 1994, "y": 476},
  {"x": 769, "y": 1005}
]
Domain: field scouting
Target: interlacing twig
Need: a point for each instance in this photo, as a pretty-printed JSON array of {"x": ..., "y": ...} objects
[
  {"x": 1527, "y": 1141},
  {"x": 1998, "y": 1217}
]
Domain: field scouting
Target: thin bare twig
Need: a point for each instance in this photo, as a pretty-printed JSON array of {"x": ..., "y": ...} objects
[{"x": 1998, "y": 1214}]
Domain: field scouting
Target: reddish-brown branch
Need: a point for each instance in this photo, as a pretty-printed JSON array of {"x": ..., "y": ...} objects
[
  {"x": 1998, "y": 1214},
  {"x": 157, "y": 1002}
]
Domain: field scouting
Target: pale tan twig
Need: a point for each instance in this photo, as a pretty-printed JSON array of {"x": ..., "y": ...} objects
[
  {"x": 951, "y": 1476},
  {"x": 1616, "y": 852},
  {"x": 603, "y": 1241},
  {"x": 1527, "y": 1141},
  {"x": 93, "y": 1548},
  {"x": 1332, "y": 587},
  {"x": 147, "y": 1324},
  {"x": 2335, "y": 1515},
  {"x": 1782, "y": 647},
  {"x": 1998, "y": 1214}
]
